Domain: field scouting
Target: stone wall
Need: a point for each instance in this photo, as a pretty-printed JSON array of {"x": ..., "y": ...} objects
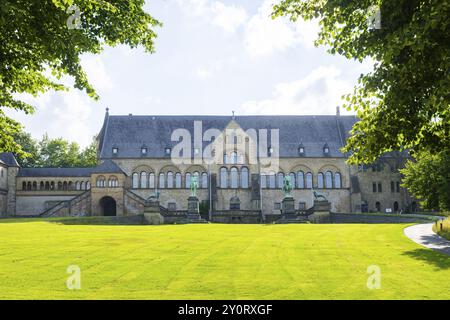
[
  {"x": 377, "y": 218},
  {"x": 35, "y": 205}
]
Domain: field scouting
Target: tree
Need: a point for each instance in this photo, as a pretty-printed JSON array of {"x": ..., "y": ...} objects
[
  {"x": 42, "y": 40},
  {"x": 31, "y": 156},
  {"x": 428, "y": 179},
  {"x": 59, "y": 153},
  {"x": 54, "y": 153},
  {"x": 404, "y": 103},
  {"x": 88, "y": 157}
]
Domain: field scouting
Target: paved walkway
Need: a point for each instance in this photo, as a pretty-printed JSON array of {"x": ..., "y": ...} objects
[{"x": 423, "y": 234}]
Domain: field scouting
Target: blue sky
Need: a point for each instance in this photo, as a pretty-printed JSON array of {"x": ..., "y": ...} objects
[{"x": 212, "y": 57}]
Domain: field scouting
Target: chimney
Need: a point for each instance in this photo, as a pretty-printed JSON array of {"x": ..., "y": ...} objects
[{"x": 338, "y": 111}]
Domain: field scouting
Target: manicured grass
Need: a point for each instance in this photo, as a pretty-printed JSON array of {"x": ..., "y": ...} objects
[{"x": 216, "y": 261}]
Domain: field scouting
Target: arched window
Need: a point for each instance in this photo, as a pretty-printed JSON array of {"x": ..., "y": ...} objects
[
  {"x": 280, "y": 178},
  {"x": 263, "y": 181},
  {"x": 309, "y": 180},
  {"x": 29, "y": 186},
  {"x": 378, "y": 206},
  {"x": 292, "y": 175},
  {"x": 100, "y": 182},
  {"x": 234, "y": 157},
  {"x": 178, "y": 180},
  {"x": 88, "y": 185},
  {"x": 52, "y": 185},
  {"x": 24, "y": 185},
  {"x": 65, "y": 187},
  {"x": 161, "y": 181},
  {"x": 188, "y": 180},
  {"x": 34, "y": 185},
  {"x": 113, "y": 182},
  {"x": 328, "y": 180},
  {"x": 135, "y": 180},
  {"x": 151, "y": 180},
  {"x": 143, "y": 180},
  {"x": 300, "y": 179},
  {"x": 197, "y": 175},
  {"x": 234, "y": 177},
  {"x": 204, "y": 180},
  {"x": 82, "y": 185},
  {"x": 395, "y": 206},
  {"x": 47, "y": 185},
  {"x": 272, "y": 181},
  {"x": 77, "y": 185},
  {"x": 223, "y": 177},
  {"x": 170, "y": 179},
  {"x": 320, "y": 180},
  {"x": 244, "y": 177},
  {"x": 337, "y": 180},
  {"x": 41, "y": 185}
]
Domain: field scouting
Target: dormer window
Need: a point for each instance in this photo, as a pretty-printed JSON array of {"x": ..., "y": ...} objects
[
  {"x": 301, "y": 150},
  {"x": 144, "y": 150},
  {"x": 168, "y": 151},
  {"x": 326, "y": 149},
  {"x": 270, "y": 151},
  {"x": 115, "y": 150},
  {"x": 196, "y": 151}
]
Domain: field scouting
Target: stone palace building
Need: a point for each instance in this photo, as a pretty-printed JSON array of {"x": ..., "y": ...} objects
[{"x": 135, "y": 156}]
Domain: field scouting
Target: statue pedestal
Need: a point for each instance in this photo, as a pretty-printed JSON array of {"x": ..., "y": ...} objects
[
  {"x": 288, "y": 206},
  {"x": 152, "y": 213},
  {"x": 193, "y": 211},
  {"x": 321, "y": 205},
  {"x": 321, "y": 212}
]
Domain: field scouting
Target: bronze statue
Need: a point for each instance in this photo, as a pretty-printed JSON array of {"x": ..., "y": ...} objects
[
  {"x": 194, "y": 185},
  {"x": 287, "y": 186},
  {"x": 318, "y": 196}
]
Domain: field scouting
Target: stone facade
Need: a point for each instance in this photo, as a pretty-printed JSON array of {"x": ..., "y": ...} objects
[{"x": 136, "y": 166}]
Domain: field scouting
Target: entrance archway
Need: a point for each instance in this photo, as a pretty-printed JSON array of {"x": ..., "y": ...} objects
[
  {"x": 395, "y": 206},
  {"x": 378, "y": 206},
  {"x": 108, "y": 206}
]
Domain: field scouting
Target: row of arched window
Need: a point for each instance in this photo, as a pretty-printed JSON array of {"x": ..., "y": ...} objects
[
  {"x": 169, "y": 180},
  {"x": 301, "y": 180},
  {"x": 234, "y": 178},
  {"x": 52, "y": 185},
  {"x": 103, "y": 182}
]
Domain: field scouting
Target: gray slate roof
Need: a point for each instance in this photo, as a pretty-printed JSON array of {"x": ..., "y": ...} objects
[
  {"x": 107, "y": 166},
  {"x": 8, "y": 159},
  {"x": 130, "y": 133}
]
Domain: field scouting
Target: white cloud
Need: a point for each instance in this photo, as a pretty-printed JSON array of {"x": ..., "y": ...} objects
[
  {"x": 227, "y": 17},
  {"x": 317, "y": 93},
  {"x": 60, "y": 114},
  {"x": 96, "y": 73},
  {"x": 264, "y": 35},
  {"x": 203, "y": 73}
]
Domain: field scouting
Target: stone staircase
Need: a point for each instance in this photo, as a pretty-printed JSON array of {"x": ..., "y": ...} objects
[{"x": 70, "y": 207}]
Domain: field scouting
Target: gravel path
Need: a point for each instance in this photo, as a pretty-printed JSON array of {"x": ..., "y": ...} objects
[{"x": 423, "y": 234}]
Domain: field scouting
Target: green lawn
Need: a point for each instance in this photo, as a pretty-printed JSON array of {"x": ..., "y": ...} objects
[{"x": 306, "y": 261}]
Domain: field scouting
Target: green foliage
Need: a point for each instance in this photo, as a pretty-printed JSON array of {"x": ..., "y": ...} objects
[
  {"x": 428, "y": 179},
  {"x": 37, "y": 48},
  {"x": 405, "y": 101},
  {"x": 54, "y": 153}
]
